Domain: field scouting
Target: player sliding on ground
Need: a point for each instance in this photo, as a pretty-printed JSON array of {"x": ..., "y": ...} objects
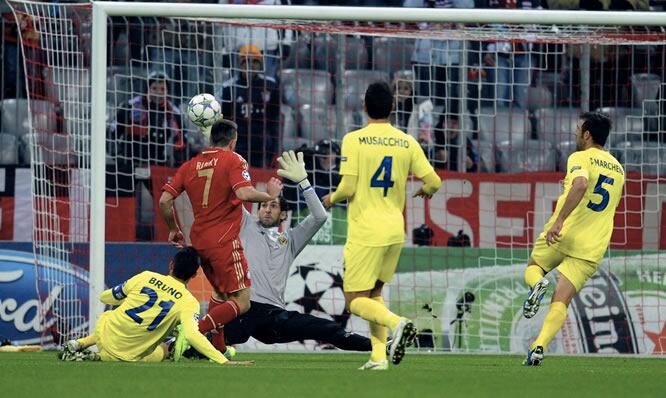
[
  {"x": 575, "y": 238},
  {"x": 376, "y": 162},
  {"x": 216, "y": 181},
  {"x": 150, "y": 305},
  {"x": 269, "y": 261}
]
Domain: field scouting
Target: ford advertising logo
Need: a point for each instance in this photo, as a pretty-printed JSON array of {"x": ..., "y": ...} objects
[{"x": 64, "y": 292}]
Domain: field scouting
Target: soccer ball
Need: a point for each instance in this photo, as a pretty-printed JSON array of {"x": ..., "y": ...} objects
[{"x": 204, "y": 110}]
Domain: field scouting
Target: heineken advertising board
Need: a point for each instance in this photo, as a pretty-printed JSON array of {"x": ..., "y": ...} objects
[{"x": 622, "y": 309}]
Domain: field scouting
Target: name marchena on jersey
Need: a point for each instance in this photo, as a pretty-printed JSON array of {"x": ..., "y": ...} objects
[
  {"x": 208, "y": 164},
  {"x": 607, "y": 165},
  {"x": 385, "y": 141},
  {"x": 165, "y": 288}
]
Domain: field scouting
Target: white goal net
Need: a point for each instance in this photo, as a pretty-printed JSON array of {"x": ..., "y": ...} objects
[{"x": 493, "y": 104}]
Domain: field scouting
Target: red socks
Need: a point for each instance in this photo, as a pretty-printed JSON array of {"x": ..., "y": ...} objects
[{"x": 219, "y": 314}]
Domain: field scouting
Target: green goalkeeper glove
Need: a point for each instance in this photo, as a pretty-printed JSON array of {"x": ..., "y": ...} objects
[{"x": 292, "y": 167}]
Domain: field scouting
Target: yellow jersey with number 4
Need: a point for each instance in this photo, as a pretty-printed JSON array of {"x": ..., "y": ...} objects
[
  {"x": 588, "y": 229},
  {"x": 382, "y": 157},
  {"x": 150, "y": 305}
]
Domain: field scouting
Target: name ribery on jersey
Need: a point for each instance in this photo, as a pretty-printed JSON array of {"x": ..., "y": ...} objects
[{"x": 208, "y": 164}]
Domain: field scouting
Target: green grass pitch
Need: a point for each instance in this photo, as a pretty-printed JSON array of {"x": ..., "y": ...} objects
[{"x": 26, "y": 375}]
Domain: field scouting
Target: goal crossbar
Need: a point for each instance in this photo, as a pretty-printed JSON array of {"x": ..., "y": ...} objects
[{"x": 102, "y": 10}]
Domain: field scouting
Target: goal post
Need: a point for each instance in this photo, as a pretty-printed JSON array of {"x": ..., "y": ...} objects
[{"x": 520, "y": 131}]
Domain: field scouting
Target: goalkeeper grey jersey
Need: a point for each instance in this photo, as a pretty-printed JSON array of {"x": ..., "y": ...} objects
[{"x": 269, "y": 253}]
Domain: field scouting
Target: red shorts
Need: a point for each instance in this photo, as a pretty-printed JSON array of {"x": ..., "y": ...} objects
[{"x": 225, "y": 266}]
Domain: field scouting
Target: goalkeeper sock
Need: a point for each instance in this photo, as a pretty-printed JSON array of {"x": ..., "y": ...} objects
[
  {"x": 557, "y": 314},
  {"x": 533, "y": 274},
  {"x": 219, "y": 313},
  {"x": 378, "y": 337},
  {"x": 374, "y": 311},
  {"x": 87, "y": 341}
]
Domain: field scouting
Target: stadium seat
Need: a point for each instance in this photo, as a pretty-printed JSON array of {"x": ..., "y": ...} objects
[
  {"x": 304, "y": 86},
  {"x": 647, "y": 158},
  {"x": 487, "y": 156},
  {"x": 52, "y": 149},
  {"x": 299, "y": 55},
  {"x": 9, "y": 149},
  {"x": 289, "y": 128},
  {"x": 645, "y": 89},
  {"x": 355, "y": 84},
  {"x": 15, "y": 116},
  {"x": 528, "y": 156},
  {"x": 325, "y": 50},
  {"x": 499, "y": 124},
  {"x": 290, "y": 138},
  {"x": 538, "y": 97},
  {"x": 627, "y": 124},
  {"x": 564, "y": 149},
  {"x": 556, "y": 125},
  {"x": 70, "y": 86},
  {"x": 318, "y": 122},
  {"x": 392, "y": 54}
]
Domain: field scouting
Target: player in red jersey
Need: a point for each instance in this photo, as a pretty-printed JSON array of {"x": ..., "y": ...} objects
[{"x": 217, "y": 181}]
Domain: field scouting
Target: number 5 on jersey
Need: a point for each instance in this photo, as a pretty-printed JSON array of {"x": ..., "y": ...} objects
[
  {"x": 601, "y": 191},
  {"x": 384, "y": 168}
]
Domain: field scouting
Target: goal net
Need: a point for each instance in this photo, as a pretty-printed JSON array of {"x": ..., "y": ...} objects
[{"x": 494, "y": 106}]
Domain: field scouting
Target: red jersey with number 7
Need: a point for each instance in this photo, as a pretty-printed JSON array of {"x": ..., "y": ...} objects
[{"x": 210, "y": 180}]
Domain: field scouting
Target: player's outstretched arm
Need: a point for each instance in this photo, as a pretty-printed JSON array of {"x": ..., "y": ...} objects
[
  {"x": 250, "y": 194},
  {"x": 176, "y": 237},
  {"x": 578, "y": 188},
  {"x": 191, "y": 329},
  {"x": 431, "y": 184},
  {"x": 345, "y": 190}
]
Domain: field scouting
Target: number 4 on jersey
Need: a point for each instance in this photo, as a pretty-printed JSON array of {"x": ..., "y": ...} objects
[{"x": 384, "y": 168}]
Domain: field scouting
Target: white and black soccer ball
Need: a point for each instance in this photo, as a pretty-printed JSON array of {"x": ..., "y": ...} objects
[{"x": 204, "y": 110}]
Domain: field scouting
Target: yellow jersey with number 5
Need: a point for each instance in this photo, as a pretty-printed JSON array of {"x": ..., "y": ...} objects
[
  {"x": 588, "y": 229},
  {"x": 382, "y": 157}
]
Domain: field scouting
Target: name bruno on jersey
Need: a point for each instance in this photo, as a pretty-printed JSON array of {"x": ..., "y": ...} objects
[
  {"x": 165, "y": 288},
  {"x": 385, "y": 141}
]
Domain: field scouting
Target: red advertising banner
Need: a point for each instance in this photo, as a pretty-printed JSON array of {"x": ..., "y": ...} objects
[{"x": 494, "y": 210}]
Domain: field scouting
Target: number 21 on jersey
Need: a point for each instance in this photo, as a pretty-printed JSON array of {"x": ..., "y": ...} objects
[{"x": 384, "y": 170}]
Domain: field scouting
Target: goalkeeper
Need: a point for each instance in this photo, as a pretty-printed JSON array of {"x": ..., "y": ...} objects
[{"x": 270, "y": 254}]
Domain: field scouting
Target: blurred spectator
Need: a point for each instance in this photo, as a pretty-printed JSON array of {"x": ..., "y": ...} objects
[
  {"x": 275, "y": 44},
  {"x": 323, "y": 163},
  {"x": 149, "y": 126},
  {"x": 447, "y": 145},
  {"x": 251, "y": 99},
  {"x": 326, "y": 167},
  {"x": 148, "y": 131},
  {"x": 437, "y": 62},
  {"x": 636, "y": 5},
  {"x": 414, "y": 119},
  {"x": 510, "y": 63},
  {"x": 12, "y": 72}
]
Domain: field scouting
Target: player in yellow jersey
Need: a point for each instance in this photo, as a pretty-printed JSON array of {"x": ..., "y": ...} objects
[
  {"x": 576, "y": 237},
  {"x": 375, "y": 165},
  {"x": 150, "y": 306}
]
